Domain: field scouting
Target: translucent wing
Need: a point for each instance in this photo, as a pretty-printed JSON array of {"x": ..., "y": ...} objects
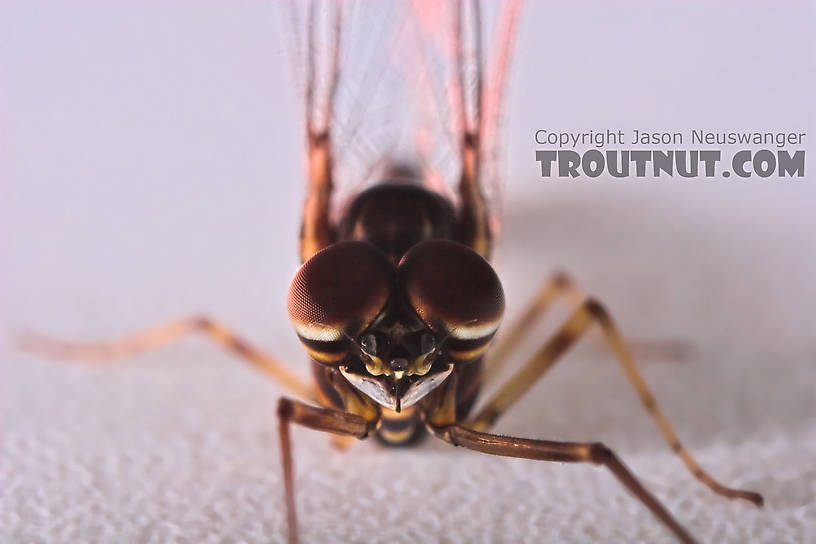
[
  {"x": 465, "y": 89},
  {"x": 399, "y": 85},
  {"x": 493, "y": 93}
]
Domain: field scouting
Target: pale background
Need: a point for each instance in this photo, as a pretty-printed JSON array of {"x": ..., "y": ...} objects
[{"x": 150, "y": 161}]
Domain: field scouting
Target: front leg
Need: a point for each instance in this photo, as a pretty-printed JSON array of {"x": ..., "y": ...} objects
[
  {"x": 321, "y": 419},
  {"x": 563, "y": 452},
  {"x": 441, "y": 421}
]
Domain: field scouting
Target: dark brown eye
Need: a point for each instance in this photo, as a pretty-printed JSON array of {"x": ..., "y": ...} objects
[
  {"x": 338, "y": 293},
  {"x": 455, "y": 292}
]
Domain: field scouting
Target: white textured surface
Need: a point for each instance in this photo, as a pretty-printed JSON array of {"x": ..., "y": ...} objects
[{"x": 140, "y": 189}]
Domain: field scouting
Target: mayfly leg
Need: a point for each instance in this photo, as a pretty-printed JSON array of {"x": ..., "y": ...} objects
[
  {"x": 320, "y": 419},
  {"x": 563, "y": 452},
  {"x": 588, "y": 313},
  {"x": 443, "y": 423},
  {"x": 162, "y": 335},
  {"x": 557, "y": 288}
]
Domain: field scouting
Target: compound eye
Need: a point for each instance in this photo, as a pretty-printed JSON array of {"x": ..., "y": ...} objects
[
  {"x": 337, "y": 294},
  {"x": 455, "y": 292}
]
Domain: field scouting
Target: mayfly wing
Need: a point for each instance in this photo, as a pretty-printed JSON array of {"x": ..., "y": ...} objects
[
  {"x": 315, "y": 31},
  {"x": 463, "y": 63},
  {"x": 316, "y": 34},
  {"x": 396, "y": 85},
  {"x": 345, "y": 57},
  {"x": 493, "y": 92}
]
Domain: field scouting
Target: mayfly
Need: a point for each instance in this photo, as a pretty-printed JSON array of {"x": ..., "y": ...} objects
[{"x": 395, "y": 301}]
